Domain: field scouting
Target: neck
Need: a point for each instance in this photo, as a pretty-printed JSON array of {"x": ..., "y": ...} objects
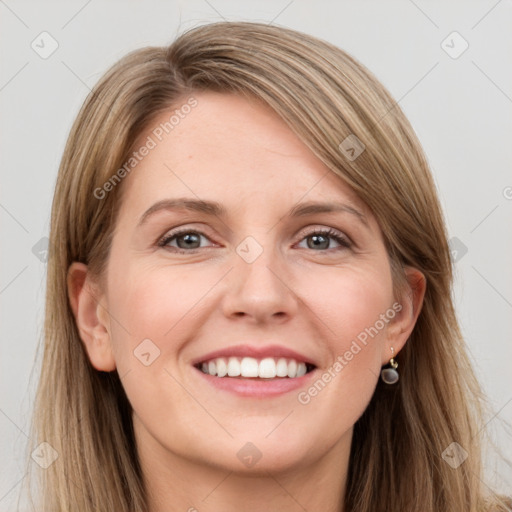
[{"x": 174, "y": 483}]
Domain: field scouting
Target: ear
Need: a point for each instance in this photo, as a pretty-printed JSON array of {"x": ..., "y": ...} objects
[
  {"x": 407, "y": 307},
  {"x": 91, "y": 317}
]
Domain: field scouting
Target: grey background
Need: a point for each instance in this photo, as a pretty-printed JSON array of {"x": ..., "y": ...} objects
[{"x": 461, "y": 109}]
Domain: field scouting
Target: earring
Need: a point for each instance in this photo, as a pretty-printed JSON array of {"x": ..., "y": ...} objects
[{"x": 390, "y": 375}]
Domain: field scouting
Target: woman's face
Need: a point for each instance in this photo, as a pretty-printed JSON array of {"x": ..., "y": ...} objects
[{"x": 219, "y": 253}]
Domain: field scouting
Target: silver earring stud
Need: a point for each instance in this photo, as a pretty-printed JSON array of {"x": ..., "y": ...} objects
[{"x": 390, "y": 375}]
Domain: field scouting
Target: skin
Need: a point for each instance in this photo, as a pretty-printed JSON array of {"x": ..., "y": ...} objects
[{"x": 315, "y": 300}]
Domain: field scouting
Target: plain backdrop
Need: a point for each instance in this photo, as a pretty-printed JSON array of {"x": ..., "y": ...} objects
[{"x": 459, "y": 105}]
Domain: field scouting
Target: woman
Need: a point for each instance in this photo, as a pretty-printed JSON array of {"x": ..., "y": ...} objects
[{"x": 248, "y": 300}]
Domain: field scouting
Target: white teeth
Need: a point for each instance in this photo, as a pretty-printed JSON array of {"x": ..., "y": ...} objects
[
  {"x": 292, "y": 368},
  {"x": 233, "y": 367},
  {"x": 249, "y": 367},
  {"x": 282, "y": 368},
  {"x": 301, "y": 369},
  {"x": 267, "y": 368},
  {"x": 222, "y": 367}
]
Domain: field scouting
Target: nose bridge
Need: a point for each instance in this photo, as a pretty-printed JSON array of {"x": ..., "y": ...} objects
[{"x": 258, "y": 283}]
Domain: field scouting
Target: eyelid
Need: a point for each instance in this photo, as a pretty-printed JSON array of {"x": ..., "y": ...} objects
[
  {"x": 329, "y": 230},
  {"x": 180, "y": 230}
]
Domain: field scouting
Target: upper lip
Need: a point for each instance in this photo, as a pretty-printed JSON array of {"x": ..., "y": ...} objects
[{"x": 256, "y": 351}]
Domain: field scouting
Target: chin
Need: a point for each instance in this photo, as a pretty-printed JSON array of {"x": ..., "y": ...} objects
[{"x": 250, "y": 453}]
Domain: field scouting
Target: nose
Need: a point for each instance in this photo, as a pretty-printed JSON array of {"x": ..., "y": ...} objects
[{"x": 260, "y": 291}]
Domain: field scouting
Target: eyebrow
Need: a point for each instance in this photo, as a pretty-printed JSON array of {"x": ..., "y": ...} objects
[{"x": 216, "y": 209}]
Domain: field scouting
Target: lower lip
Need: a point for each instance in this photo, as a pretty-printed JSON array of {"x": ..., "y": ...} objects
[{"x": 257, "y": 388}]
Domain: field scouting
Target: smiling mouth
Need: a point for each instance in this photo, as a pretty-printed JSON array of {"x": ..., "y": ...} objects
[{"x": 253, "y": 368}]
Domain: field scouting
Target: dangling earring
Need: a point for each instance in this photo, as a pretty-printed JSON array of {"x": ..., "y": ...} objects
[{"x": 390, "y": 375}]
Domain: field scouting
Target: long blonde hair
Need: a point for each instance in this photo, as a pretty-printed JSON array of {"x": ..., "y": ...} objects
[{"x": 324, "y": 95}]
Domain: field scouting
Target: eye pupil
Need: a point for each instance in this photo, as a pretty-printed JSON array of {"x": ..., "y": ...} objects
[
  {"x": 188, "y": 238},
  {"x": 318, "y": 240}
]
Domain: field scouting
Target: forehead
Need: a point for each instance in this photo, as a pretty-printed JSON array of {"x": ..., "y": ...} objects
[{"x": 231, "y": 149}]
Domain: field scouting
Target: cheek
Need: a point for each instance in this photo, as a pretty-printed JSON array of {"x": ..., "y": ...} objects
[
  {"x": 155, "y": 303},
  {"x": 155, "y": 311},
  {"x": 348, "y": 301},
  {"x": 353, "y": 308}
]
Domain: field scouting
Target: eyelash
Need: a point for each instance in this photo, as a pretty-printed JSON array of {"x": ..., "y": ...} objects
[{"x": 344, "y": 243}]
